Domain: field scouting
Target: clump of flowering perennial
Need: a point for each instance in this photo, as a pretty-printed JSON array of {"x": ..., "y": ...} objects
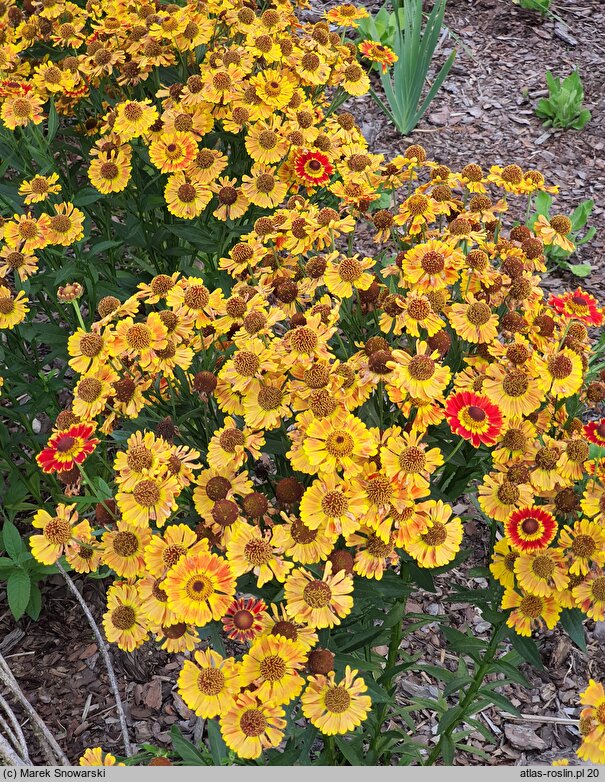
[{"x": 281, "y": 420}]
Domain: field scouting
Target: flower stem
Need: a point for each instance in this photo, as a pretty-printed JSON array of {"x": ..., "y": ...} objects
[{"x": 472, "y": 691}]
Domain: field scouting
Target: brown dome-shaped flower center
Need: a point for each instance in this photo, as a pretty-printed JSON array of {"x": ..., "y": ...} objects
[
  {"x": 123, "y": 617},
  {"x": 270, "y": 398},
  {"x": 199, "y": 588},
  {"x": 317, "y": 594},
  {"x": 421, "y": 367},
  {"x": 258, "y": 552},
  {"x": 412, "y": 459},
  {"x": 146, "y": 493},
  {"x": 57, "y": 531},
  {"x": 435, "y": 535},
  {"x": 433, "y": 262},
  {"x": 334, "y": 504},
  {"x": 125, "y": 544},
  {"x": 339, "y": 443},
  {"x": 211, "y": 681},
  {"x": 560, "y": 366},
  {"x": 515, "y": 383},
  {"x": 197, "y": 297},
  {"x": 543, "y": 566},
  {"x": 230, "y": 439},
  {"x": 89, "y": 389},
  {"x": 217, "y": 488},
  {"x": 172, "y": 554},
  {"x": 225, "y": 513},
  {"x": 337, "y": 700},
  {"x": 530, "y": 526},
  {"x": 138, "y": 336},
  {"x": 478, "y": 313},
  {"x": 139, "y": 458},
  {"x": 253, "y": 722}
]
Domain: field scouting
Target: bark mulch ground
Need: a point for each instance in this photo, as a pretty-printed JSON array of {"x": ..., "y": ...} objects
[{"x": 484, "y": 114}]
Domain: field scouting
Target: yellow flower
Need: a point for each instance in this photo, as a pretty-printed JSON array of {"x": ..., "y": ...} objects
[
  {"x": 262, "y": 187},
  {"x": 340, "y": 442},
  {"x": 474, "y": 322},
  {"x": 200, "y": 588},
  {"x": 94, "y": 756},
  {"x": 20, "y": 110},
  {"x": 173, "y": 151},
  {"x": 333, "y": 505},
  {"x": 164, "y": 550},
  {"x": 272, "y": 665},
  {"x": 583, "y": 543},
  {"x": 123, "y": 549},
  {"x": 39, "y": 188},
  {"x": 530, "y": 611},
  {"x": 502, "y": 566},
  {"x": 440, "y": 543},
  {"x": 542, "y": 573},
  {"x": 336, "y": 707},
  {"x": 133, "y": 118},
  {"x": 251, "y": 550},
  {"x": 405, "y": 458},
  {"x": 186, "y": 196},
  {"x": 319, "y": 602},
  {"x": 13, "y": 309},
  {"x": 420, "y": 375},
  {"x": 344, "y": 275},
  {"x": 60, "y": 533},
  {"x": 124, "y": 621},
  {"x": 555, "y": 231},
  {"x": 592, "y": 723},
  {"x": 151, "y": 499},
  {"x": 209, "y": 685},
  {"x": 110, "y": 172},
  {"x": 252, "y": 725}
]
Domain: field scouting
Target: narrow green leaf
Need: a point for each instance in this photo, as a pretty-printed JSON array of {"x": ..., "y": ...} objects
[
  {"x": 218, "y": 748},
  {"x": 187, "y": 751},
  {"x": 572, "y": 621}
]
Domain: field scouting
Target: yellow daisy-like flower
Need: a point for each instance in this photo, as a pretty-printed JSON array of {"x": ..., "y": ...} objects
[
  {"x": 373, "y": 555},
  {"x": 66, "y": 226},
  {"x": 263, "y": 188},
  {"x": 123, "y": 548},
  {"x": 499, "y": 497},
  {"x": 276, "y": 622},
  {"x": 475, "y": 322},
  {"x": 173, "y": 151},
  {"x": 146, "y": 455},
  {"x": 440, "y": 543},
  {"x": 590, "y": 595},
  {"x": 334, "y": 505},
  {"x": 420, "y": 375},
  {"x": 154, "y": 602},
  {"x": 346, "y": 15},
  {"x": 319, "y": 602},
  {"x": 22, "y": 263},
  {"x": 563, "y": 372},
  {"x": 110, "y": 172},
  {"x": 230, "y": 446},
  {"x": 502, "y": 566},
  {"x": 405, "y": 458},
  {"x": 139, "y": 340},
  {"x": 95, "y": 756},
  {"x": 336, "y": 707},
  {"x": 252, "y": 725},
  {"x": 592, "y": 723},
  {"x": 267, "y": 403},
  {"x": 59, "y": 532},
  {"x": 20, "y": 110},
  {"x": 345, "y": 275},
  {"x": 516, "y": 392},
  {"x": 265, "y": 143},
  {"x": 272, "y": 665},
  {"x": 39, "y": 188},
  {"x": 124, "y": 621},
  {"x": 583, "y": 543},
  {"x": 162, "y": 552},
  {"x": 185, "y": 196},
  {"x": 88, "y": 351},
  {"x": 13, "y": 309},
  {"x": 209, "y": 684},
  {"x": 151, "y": 499},
  {"x": 274, "y": 87},
  {"x": 340, "y": 442},
  {"x": 26, "y": 233},
  {"x": 432, "y": 265},
  {"x": 530, "y": 611},
  {"x": 133, "y": 118},
  {"x": 251, "y": 550},
  {"x": 542, "y": 573},
  {"x": 555, "y": 231},
  {"x": 200, "y": 588},
  {"x": 92, "y": 392}
]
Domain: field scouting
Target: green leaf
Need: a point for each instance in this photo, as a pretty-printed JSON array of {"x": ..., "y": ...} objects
[
  {"x": 18, "y": 590},
  {"x": 53, "y": 123},
  {"x": 11, "y": 540},
  {"x": 218, "y": 748},
  {"x": 348, "y": 749},
  {"x": 187, "y": 751},
  {"x": 573, "y": 624},
  {"x": 461, "y": 642},
  {"x": 579, "y": 269},
  {"x": 34, "y": 606},
  {"x": 527, "y": 649},
  {"x": 6, "y": 567},
  {"x": 500, "y": 700}
]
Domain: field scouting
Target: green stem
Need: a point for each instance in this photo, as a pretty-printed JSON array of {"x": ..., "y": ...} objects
[{"x": 472, "y": 691}]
